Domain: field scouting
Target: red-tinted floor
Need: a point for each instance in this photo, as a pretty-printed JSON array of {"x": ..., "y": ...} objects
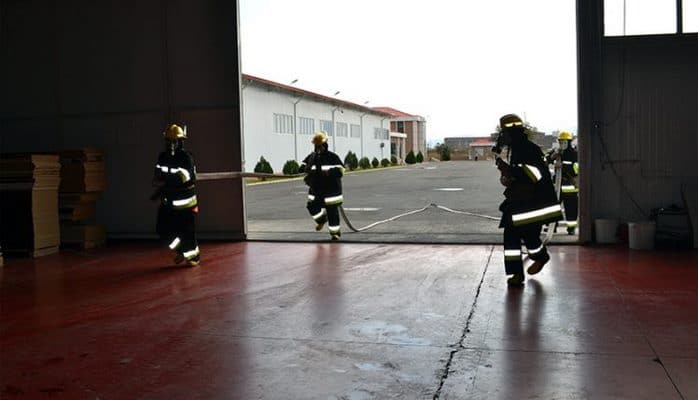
[{"x": 348, "y": 321}]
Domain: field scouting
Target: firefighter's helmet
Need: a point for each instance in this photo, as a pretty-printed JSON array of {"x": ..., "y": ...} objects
[
  {"x": 510, "y": 121},
  {"x": 564, "y": 135},
  {"x": 175, "y": 132},
  {"x": 319, "y": 138}
]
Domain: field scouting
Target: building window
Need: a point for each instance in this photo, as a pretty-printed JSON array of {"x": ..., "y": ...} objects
[
  {"x": 690, "y": 16},
  {"x": 326, "y": 126},
  {"x": 355, "y": 131},
  {"x": 380, "y": 134},
  {"x": 283, "y": 123},
  {"x": 342, "y": 130},
  {"x": 401, "y": 126},
  {"x": 640, "y": 17},
  {"x": 306, "y": 126}
]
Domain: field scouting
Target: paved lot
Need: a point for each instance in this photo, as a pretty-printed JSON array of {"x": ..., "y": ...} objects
[{"x": 276, "y": 211}]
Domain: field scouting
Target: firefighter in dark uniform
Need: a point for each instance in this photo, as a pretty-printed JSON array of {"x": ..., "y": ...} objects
[
  {"x": 530, "y": 199},
  {"x": 324, "y": 171},
  {"x": 566, "y": 155},
  {"x": 175, "y": 176}
]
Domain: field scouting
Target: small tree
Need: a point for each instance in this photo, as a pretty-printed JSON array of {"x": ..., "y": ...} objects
[
  {"x": 443, "y": 151},
  {"x": 291, "y": 167},
  {"x": 351, "y": 161},
  {"x": 393, "y": 160},
  {"x": 263, "y": 166},
  {"x": 375, "y": 163},
  {"x": 365, "y": 163},
  {"x": 385, "y": 162},
  {"x": 410, "y": 159},
  {"x": 420, "y": 157}
]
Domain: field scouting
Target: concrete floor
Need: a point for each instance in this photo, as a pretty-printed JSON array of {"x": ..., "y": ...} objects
[{"x": 348, "y": 321}]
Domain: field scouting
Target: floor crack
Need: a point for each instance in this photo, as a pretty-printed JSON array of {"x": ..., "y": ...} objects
[{"x": 466, "y": 329}]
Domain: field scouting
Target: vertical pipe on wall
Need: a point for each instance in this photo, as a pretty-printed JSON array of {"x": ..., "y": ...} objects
[
  {"x": 167, "y": 75},
  {"x": 589, "y": 33},
  {"x": 679, "y": 16}
]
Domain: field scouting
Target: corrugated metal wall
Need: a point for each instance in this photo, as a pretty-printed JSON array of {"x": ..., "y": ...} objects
[
  {"x": 112, "y": 74},
  {"x": 649, "y": 103}
]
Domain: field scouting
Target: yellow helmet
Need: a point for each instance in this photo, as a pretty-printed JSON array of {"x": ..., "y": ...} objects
[
  {"x": 510, "y": 121},
  {"x": 174, "y": 132},
  {"x": 319, "y": 138},
  {"x": 564, "y": 135}
]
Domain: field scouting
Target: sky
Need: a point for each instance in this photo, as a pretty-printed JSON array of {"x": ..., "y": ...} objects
[{"x": 461, "y": 64}]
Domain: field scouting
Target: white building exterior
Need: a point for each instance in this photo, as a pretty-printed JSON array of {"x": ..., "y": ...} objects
[{"x": 280, "y": 120}]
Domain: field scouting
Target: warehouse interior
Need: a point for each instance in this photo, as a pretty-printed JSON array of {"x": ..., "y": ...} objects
[{"x": 317, "y": 320}]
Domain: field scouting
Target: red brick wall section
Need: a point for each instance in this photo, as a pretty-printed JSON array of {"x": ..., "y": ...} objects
[{"x": 411, "y": 137}]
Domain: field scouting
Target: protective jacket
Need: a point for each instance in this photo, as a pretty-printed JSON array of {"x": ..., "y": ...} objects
[
  {"x": 179, "y": 175},
  {"x": 570, "y": 171},
  {"x": 530, "y": 198},
  {"x": 327, "y": 186}
]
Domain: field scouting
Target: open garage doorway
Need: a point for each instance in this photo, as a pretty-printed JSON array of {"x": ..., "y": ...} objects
[{"x": 416, "y": 91}]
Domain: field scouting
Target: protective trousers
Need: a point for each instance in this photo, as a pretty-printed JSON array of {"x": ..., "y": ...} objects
[
  {"x": 325, "y": 213},
  {"x": 571, "y": 203},
  {"x": 513, "y": 236},
  {"x": 177, "y": 229}
]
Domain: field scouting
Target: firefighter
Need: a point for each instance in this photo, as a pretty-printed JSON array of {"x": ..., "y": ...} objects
[
  {"x": 175, "y": 176},
  {"x": 530, "y": 199},
  {"x": 324, "y": 171},
  {"x": 566, "y": 155}
]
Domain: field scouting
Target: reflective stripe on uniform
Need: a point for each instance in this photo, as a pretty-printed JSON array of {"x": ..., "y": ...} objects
[
  {"x": 191, "y": 253},
  {"x": 575, "y": 167},
  {"x": 319, "y": 215},
  {"x": 334, "y": 200},
  {"x": 569, "y": 189},
  {"x": 536, "y": 215},
  {"x": 567, "y": 162},
  {"x": 512, "y": 255},
  {"x": 185, "y": 203},
  {"x": 329, "y": 167},
  {"x": 174, "y": 243},
  {"x": 571, "y": 224},
  {"x": 532, "y": 172},
  {"x": 185, "y": 174},
  {"x": 333, "y": 229},
  {"x": 311, "y": 197},
  {"x": 535, "y": 251}
]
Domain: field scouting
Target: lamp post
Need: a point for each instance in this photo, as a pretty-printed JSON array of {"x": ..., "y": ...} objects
[
  {"x": 361, "y": 135},
  {"x": 334, "y": 128},
  {"x": 295, "y": 124}
]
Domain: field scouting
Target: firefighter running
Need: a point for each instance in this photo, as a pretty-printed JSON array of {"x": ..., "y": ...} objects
[
  {"x": 530, "y": 199},
  {"x": 566, "y": 158},
  {"x": 324, "y": 171},
  {"x": 175, "y": 176}
]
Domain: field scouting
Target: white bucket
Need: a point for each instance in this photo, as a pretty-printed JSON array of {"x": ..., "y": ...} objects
[
  {"x": 606, "y": 230},
  {"x": 641, "y": 235}
]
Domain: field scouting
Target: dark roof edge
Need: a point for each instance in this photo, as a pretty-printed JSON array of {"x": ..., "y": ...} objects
[{"x": 302, "y": 92}]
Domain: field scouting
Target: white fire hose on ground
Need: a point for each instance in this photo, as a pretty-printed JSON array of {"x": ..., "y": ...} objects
[{"x": 208, "y": 176}]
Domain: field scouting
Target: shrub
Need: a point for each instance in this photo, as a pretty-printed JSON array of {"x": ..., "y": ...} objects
[
  {"x": 350, "y": 161},
  {"x": 385, "y": 162},
  {"x": 375, "y": 162},
  {"x": 444, "y": 151},
  {"x": 393, "y": 160},
  {"x": 263, "y": 166},
  {"x": 420, "y": 157},
  {"x": 364, "y": 163},
  {"x": 410, "y": 159},
  {"x": 291, "y": 167}
]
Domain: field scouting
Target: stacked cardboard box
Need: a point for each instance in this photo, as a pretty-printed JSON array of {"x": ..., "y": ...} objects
[
  {"x": 29, "y": 203},
  {"x": 82, "y": 182}
]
